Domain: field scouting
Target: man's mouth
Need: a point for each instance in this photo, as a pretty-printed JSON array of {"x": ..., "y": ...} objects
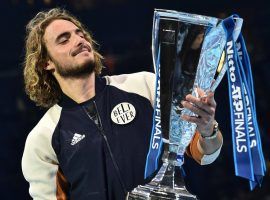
[{"x": 82, "y": 49}]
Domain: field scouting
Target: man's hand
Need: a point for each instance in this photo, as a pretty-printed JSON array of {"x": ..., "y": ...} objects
[{"x": 204, "y": 107}]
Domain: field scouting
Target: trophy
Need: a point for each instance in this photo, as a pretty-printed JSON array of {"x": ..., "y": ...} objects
[{"x": 188, "y": 53}]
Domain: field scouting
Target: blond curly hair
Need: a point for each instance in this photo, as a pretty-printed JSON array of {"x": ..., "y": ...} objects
[{"x": 40, "y": 84}]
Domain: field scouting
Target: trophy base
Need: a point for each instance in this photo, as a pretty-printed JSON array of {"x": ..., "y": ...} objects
[
  {"x": 147, "y": 192},
  {"x": 141, "y": 192},
  {"x": 167, "y": 184},
  {"x": 169, "y": 193}
]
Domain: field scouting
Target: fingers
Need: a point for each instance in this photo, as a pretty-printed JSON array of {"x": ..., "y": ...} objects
[
  {"x": 199, "y": 108},
  {"x": 209, "y": 96},
  {"x": 204, "y": 106},
  {"x": 210, "y": 99},
  {"x": 190, "y": 118},
  {"x": 201, "y": 122},
  {"x": 200, "y": 92},
  {"x": 207, "y": 104}
]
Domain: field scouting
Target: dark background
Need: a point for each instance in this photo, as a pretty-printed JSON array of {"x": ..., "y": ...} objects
[{"x": 123, "y": 30}]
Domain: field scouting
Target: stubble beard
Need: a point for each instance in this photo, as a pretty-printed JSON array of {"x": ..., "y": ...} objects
[{"x": 77, "y": 71}]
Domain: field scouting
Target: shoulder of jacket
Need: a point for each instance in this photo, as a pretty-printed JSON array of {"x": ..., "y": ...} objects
[
  {"x": 46, "y": 125},
  {"x": 141, "y": 83},
  {"x": 149, "y": 77}
]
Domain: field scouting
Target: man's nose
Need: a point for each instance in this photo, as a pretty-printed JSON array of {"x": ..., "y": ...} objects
[{"x": 78, "y": 40}]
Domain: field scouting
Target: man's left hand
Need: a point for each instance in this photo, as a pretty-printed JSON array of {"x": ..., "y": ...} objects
[{"x": 204, "y": 106}]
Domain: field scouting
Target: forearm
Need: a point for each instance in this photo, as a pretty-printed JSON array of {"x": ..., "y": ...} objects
[{"x": 209, "y": 146}]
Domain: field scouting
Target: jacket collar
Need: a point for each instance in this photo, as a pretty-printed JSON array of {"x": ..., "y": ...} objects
[{"x": 67, "y": 102}]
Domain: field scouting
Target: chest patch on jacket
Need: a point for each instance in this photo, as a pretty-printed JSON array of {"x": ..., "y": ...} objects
[{"x": 123, "y": 113}]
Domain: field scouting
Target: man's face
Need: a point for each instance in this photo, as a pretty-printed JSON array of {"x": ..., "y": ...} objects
[{"x": 71, "y": 55}]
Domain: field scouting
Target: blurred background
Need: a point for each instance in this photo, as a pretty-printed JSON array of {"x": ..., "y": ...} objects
[{"x": 123, "y": 30}]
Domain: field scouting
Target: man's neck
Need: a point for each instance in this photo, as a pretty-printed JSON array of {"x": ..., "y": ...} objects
[{"x": 78, "y": 89}]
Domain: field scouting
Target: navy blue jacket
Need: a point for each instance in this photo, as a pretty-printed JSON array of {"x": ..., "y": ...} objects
[{"x": 75, "y": 161}]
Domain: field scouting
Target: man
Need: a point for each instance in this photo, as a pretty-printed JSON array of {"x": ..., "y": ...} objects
[{"x": 93, "y": 140}]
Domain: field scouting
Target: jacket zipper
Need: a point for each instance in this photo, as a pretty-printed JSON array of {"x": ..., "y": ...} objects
[{"x": 99, "y": 125}]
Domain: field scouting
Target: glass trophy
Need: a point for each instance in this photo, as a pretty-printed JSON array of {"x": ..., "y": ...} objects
[{"x": 188, "y": 53}]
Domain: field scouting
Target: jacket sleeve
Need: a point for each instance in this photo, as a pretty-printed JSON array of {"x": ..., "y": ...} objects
[
  {"x": 193, "y": 151},
  {"x": 39, "y": 166},
  {"x": 39, "y": 162}
]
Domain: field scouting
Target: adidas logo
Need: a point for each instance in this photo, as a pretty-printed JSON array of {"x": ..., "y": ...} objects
[{"x": 77, "y": 138}]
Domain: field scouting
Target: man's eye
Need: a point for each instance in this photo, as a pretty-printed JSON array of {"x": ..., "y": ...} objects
[{"x": 63, "y": 41}]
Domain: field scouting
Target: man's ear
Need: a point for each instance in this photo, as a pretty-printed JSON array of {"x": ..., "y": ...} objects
[{"x": 49, "y": 65}]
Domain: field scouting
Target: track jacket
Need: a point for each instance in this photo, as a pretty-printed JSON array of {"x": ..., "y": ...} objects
[{"x": 66, "y": 155}]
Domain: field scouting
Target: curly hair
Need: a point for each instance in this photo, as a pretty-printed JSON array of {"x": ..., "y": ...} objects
[{"x": 40, "y": 85}]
